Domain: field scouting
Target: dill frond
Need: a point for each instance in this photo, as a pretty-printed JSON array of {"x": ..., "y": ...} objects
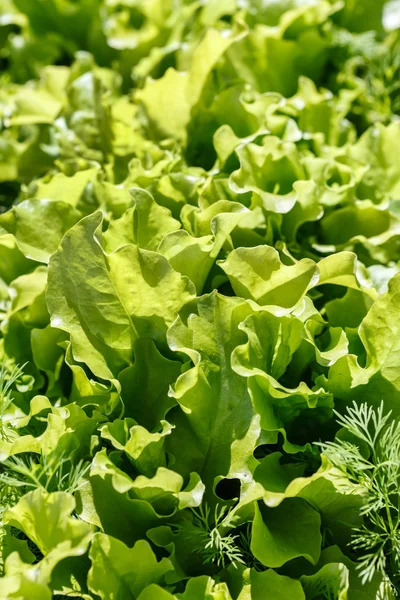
[
  {"x": 52, "y": 473},
  {"x": 372, "y": 461},
  {"x": 208, "y": 534},
  {"x": 7, "y": 380}
]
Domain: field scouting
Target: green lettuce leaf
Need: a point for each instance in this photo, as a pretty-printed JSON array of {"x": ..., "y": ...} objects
[
  {"x": 215, "y": 420},
  {"x": 118, "y": 570},
  {"x": 127, "y": 275}
]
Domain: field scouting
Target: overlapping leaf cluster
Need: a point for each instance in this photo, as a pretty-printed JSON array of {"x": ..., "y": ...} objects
[{"x": 199, "y": 247}]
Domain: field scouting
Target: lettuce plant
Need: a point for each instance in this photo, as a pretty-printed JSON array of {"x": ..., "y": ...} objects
[{"x": 199, "y": 299}]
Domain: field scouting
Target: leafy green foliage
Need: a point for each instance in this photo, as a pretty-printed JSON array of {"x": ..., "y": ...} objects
[
  {"x": 370, "y": 457},
  {"x": 7, "y": 380},
  {"x": 199, "y": 272},
  {"x": 50, "y": 473},
  {"x": 208, "y": 535}
]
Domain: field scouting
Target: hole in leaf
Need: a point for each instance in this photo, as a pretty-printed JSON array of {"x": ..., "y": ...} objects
[{"x": 228, "y": 489}]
